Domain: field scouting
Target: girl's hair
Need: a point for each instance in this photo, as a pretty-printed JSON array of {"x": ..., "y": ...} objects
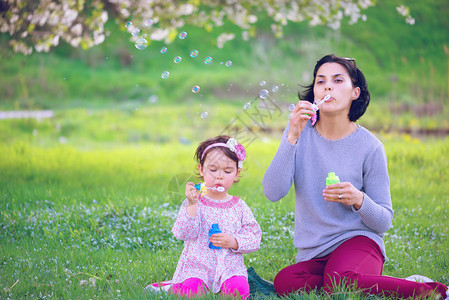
[
  {"x": 218, "y": 139},
  {"x": 358, "y": 106}
]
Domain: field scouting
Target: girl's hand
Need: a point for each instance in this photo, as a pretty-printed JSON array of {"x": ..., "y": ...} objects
[
  {"x": 298, "y": 119},
  {"x": 224, "y": 240},
  {"x": 192, "y": 193},
  {"x": 349, "y": 194}
]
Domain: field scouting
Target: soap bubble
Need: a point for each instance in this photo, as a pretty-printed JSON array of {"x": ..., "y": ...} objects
[
  {"x": 128, "y": 24},
  {"x": 264, "y": 94},
  {"x": 134, "y": 31},
  {"x": 196, "y": 89},
  {"x": 177, "y": 59},
  {"x": 208, "y": 60},
  {"x": 275, "y": 89},
  {"x": 182, "y": 35},
  {"x": 204, "y": 114},
  {"x": 263, "y": 83},
  {"x": 153, "y": 99},
  {"x": 228, "y": 63},
  {"x": 144, "y": 36},
  {"x": 164, "y": 50},
  {"x": 247, "y": 105},
  {"x": 148, "y": 23},
  {"x": 141, "y": 43},
  {"x": 194, "y": 53},
  {"x": 165, "y": 74},
  {"x": 291, "y": 107}
]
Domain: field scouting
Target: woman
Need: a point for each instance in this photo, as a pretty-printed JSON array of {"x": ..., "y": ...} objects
[{"x": 339, "y": 228}]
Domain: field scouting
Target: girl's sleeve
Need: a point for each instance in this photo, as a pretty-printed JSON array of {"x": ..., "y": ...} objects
[
  {"x": 376, "y": 211},
  {"x": 278, "y": 177},
  {"x": 249, "y": 236},
  {"x": 186, "y": 227}
]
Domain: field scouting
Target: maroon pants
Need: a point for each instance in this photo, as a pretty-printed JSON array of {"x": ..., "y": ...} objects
[{"x": 358, "y": 260}]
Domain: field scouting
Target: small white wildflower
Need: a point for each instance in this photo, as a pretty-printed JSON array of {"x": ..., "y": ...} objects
[
  {"x": 92, "y": 281},
  {"x": 410, "y": 20},
  {"x": 67, "y": 272},
  {"x": 402, "y": 10}
]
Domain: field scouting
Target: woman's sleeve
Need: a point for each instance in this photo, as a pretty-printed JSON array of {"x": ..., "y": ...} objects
[
  {"x": 376, "y": 211},
  {"x": 249, "y": 236},
  {"x": 278, "y": 177},
  {"x": 186, "y": 227}
]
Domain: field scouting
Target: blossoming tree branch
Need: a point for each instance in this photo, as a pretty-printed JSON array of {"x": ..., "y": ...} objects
[{"x": 41, "y": 25}]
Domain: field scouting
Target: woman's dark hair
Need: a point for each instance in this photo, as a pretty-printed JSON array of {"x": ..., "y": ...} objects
[
  {"x": 218, "y": 139},
  {"x": 358, "y": 106}
]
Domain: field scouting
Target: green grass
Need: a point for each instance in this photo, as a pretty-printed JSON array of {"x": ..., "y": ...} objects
[
  {"x": 70, "y": 214},
  {"x": 139, "y": 123},
  {"x": 92, "y": 193}
]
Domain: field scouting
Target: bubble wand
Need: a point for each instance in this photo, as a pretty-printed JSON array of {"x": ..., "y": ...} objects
[
  {"x": 202, "y": 188},
  {"x": 315, "y": 107}
]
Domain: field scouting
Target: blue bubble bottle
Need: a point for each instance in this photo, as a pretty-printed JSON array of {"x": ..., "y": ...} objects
[{"x": 213, "y": 230}]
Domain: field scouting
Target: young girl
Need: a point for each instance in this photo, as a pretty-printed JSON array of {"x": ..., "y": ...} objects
[{"x": 214, "y": 261}]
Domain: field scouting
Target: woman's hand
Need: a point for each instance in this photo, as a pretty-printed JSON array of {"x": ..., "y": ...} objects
[
  {"x": 224, "y": 240},
  {"x": 298, "y": 119},
  {"x": 192, "y": 195},
  {"x": 343, "y": 192}
]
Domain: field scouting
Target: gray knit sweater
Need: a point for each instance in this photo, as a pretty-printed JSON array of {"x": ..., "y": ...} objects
[{"x": 321, "y": 226}]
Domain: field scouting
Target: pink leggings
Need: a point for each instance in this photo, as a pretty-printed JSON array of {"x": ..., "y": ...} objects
[
  {"x": 357, "y": 260},
  {"x": 234, "y": 286}
]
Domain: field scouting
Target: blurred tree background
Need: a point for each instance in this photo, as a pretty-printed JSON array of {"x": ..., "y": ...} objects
[{"x": 403, "y": 52}]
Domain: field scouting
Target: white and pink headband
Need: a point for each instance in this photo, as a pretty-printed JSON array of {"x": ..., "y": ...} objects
[{"x": 232, "y": 145}]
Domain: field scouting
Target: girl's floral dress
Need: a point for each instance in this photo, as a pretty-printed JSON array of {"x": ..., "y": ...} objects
[{"x": 214, "y": 266}]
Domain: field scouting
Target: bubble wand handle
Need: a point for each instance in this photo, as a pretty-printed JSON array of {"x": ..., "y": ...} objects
[
  {"x": 202, "y": 188},
  {"x": 316, "y": 107}
]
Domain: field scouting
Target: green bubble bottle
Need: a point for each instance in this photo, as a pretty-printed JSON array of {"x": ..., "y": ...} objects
[{"x": 332, "y": 178}]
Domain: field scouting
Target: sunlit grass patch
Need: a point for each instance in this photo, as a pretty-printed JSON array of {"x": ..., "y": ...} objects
[{"x": 96, "y": 222}]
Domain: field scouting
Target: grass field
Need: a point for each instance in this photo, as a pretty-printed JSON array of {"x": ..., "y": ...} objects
[
  {"x": 89, "y": 216},
  {"x": 88, "y": 197}
]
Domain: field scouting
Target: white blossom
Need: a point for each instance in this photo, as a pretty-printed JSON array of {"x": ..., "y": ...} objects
[
  {"x": 252, "y": 19},
  {"x": 55, "y": 40},
  {"x": 98, "y": 38},
  {"x": 364, "y": 4},
  {"x": 75, "y": 42},
  {"x": 159, "y": 34},
  {"x": 104, "y": 17},
  {"x": 77, "y": 29},
  {"x": 223, "y": 38},
  {"x": 42, "y": 24},
  {"x": 187, "y": 9}
]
